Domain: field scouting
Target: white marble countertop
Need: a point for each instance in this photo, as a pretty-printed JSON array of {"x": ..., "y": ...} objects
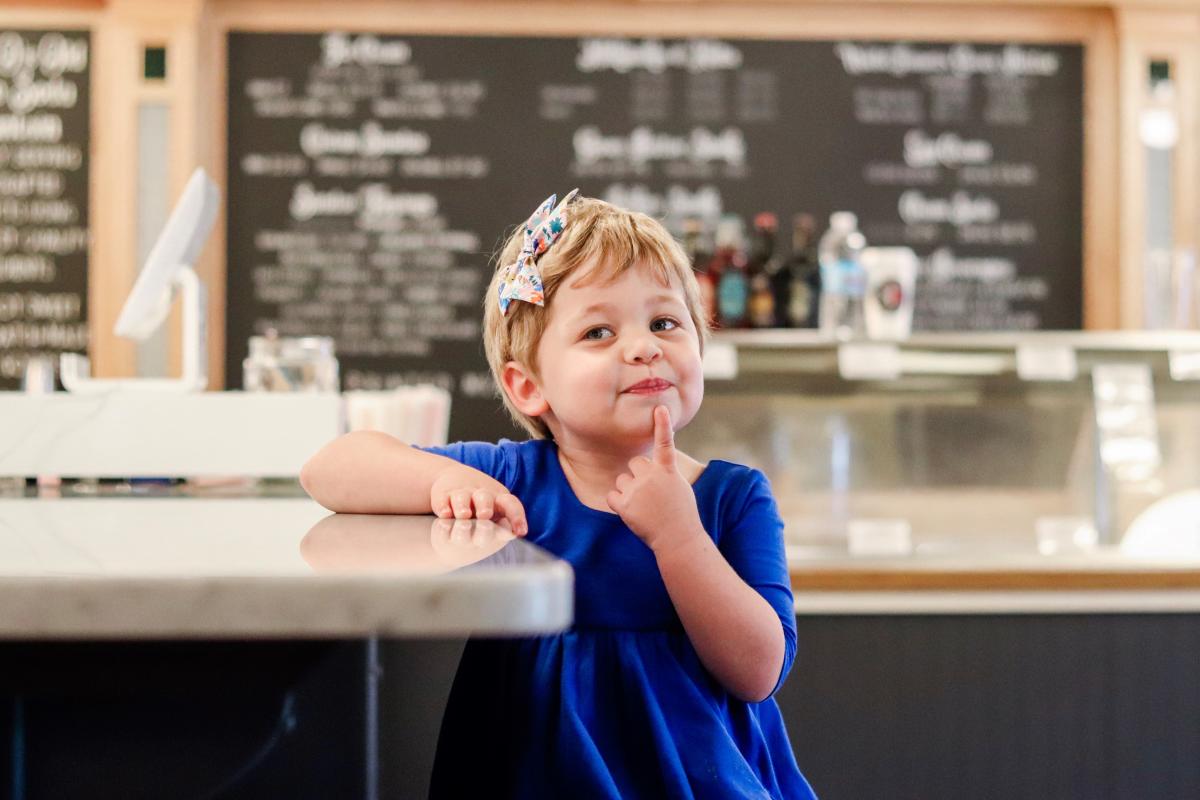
[{"x": 172, "y": 567}]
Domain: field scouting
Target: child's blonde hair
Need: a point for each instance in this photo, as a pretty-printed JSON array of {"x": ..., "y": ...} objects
[{"x": 600, "y": 237}]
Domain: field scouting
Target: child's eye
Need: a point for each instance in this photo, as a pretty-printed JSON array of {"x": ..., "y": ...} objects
[
  {"x": 663, "y": 324},
  {"x": 596, "y": 334}
]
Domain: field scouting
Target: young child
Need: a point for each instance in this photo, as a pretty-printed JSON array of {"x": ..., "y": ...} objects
[{"x": 684, "y": 625}]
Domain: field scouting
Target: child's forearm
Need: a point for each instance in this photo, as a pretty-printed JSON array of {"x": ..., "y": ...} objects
[
  {"x": 735, "y": 631},
  {"x": 367, "y": 472}
]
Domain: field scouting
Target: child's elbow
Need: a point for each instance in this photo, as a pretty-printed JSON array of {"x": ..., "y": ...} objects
[
  {"x": 317, "y": 471},
  {"x": 310, "y": 484},
  {"x": 761, "y": 675},
  {"x": 767, "y": 689},
  {"x": 306, "y": 477},
  {"x": 313, "y": 481},
  {"x": 758, "y": 691},
  {"x": 754, "y": 681}
]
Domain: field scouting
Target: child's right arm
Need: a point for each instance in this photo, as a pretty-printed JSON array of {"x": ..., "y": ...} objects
[{"x": 368, "y": 472}]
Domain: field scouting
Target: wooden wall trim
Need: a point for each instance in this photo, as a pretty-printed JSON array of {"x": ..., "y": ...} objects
[
  {"x": 898, "y": 580},
  {"x": 123, "y": 31},
  {"x": 888, "y": 6},
  {"x": 1145, "y": 34},
  {"x": 17, "y": 13},
  {"x": 51, "y": 6},
  {"x": 211, "y": 101},
  {"x": 1101, "y": 178},
  {"x": 775, "y": 20}
]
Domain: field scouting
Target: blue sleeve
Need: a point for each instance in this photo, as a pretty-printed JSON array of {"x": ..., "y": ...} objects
[
  {"x": 490, "y": 459},
  {"x": 753, "y": 545}
]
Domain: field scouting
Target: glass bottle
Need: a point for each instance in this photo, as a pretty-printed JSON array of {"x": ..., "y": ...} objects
[
  {"x": 761, "y": 266},
  {"x": 729, "y": 263},
  {"x": 798, "y": 288},
  {"x": 843, "y": 278},
  {"x": 699, "y": 253}
]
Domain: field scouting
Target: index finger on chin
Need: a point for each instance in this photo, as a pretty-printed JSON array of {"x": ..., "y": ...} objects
[{"x": 664, "y": 437}]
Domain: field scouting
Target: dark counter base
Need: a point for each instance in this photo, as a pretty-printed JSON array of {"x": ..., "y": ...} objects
[
  {"x": 1095, "y": 707},
  {"x": 183, "y": 720},
  {"x": 972, "y": 707}
]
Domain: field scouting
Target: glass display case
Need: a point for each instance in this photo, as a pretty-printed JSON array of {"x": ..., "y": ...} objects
[{"x": 963, "y": 443}]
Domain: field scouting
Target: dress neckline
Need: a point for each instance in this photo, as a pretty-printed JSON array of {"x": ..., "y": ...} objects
[{"x": 561, "y": 476}]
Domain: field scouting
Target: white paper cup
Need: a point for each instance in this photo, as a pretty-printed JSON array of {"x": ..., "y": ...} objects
[{"x": 891, "y": 282}]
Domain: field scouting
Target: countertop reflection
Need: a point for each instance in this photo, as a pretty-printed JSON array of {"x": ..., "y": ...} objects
[{"x": 381, "y": 544}]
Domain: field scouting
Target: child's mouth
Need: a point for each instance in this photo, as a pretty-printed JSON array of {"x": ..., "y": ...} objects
[{"x": 649, "y": 386}]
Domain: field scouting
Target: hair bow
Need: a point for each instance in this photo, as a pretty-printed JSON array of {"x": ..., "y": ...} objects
[{"x": 522, "y": 281}]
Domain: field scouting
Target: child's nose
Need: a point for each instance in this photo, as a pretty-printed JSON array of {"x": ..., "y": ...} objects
[{"x": 643, "y": 350}]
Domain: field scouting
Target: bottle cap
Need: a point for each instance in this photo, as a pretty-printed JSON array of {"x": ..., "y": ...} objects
[
  {"x": 729, "y": 231},
  {"x": 766, "y": 220},
  {"x": 843, "y": 220}
]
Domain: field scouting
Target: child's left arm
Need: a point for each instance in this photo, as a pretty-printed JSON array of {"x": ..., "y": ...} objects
[{"x": 735, "y": 631}]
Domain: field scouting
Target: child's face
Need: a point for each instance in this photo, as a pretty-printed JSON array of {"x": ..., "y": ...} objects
[{"x": 611, "y": 352}]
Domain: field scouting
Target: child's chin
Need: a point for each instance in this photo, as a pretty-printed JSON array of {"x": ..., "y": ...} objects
[{"x": 629, "y": 435}]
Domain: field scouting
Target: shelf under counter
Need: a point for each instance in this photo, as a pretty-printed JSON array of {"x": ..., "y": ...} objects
[
  {"x": 1116, "y": 341},
  {"x": 1036, "y": 356},
  {"x": 1104, "y": 580}
]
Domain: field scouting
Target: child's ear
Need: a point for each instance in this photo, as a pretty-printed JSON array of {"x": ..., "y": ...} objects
[{"x": 522, "y": 390}]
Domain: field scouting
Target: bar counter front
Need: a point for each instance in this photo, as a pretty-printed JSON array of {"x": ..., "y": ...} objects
[{"x": 997, "y": 673}]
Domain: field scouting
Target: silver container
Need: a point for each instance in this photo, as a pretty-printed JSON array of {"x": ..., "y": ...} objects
[{"x": 290, "y": 364}]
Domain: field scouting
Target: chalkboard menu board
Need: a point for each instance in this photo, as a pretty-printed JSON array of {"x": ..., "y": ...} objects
[
  {"x": 371, "y": 177},
  {"x": 44, "y": 114}
]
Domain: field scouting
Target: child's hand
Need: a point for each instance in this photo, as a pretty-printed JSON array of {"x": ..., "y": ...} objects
[
  {"x": 653, "y": 498},
  {"x": 464, "y": 493}
]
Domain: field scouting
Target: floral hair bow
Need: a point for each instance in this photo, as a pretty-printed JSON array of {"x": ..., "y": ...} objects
[{"x": 522, "y": 281}]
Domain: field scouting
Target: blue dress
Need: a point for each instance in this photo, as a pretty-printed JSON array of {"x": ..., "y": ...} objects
[{"x": 619, "y": 706}]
